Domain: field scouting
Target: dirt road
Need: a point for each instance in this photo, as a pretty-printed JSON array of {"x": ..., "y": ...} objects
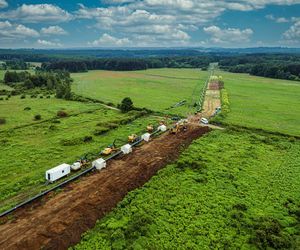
[{"x": 58, "y": 220}]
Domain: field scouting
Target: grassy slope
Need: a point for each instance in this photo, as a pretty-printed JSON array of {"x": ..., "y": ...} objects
[
  {"x": 27, "y": 152},
  {"x": 265, "y": 103},
  {"x": 13, "y": 109},
  {"x": 227, "y": 190},
  {"x": 154, "y": 89}
]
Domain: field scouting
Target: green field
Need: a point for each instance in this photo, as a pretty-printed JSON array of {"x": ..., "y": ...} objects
[
  {"x": 229, "y": 190},
  {"x": 155, "y": 89},
  {"x": 13, "y": 109},
  {"x": 28, "y": 151},
  {"x": 265, "y": 103}
]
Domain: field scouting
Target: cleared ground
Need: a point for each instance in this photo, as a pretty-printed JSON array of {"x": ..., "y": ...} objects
[
  {"x": 228, "y": 190},
  {"x": 265, "y": 103},
  {"x": 60, "y": 221},
  {"x": 156, "y": 89}
]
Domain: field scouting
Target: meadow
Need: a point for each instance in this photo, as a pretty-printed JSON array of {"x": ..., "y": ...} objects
[
  {"x": 19, "y": 112},
  {"x": 264, "y": 103},
  {"x": 228, "y": 190},
  {"x": 27, "y": 152},
  {"x": 155, "y": 89}
]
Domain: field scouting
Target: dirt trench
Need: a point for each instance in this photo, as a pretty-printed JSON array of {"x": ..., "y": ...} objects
[{"x": 58, "y": 220}]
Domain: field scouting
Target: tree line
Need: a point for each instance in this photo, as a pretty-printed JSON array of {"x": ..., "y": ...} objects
[{"x": 59, "y": 81}]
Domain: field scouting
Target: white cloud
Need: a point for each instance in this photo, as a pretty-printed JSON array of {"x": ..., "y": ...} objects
[
  {"x": 15, "y": 31},
  {"x": 3, "y": 4},
  {"x": 34, "y": 13},
  {"x": 169, "y": 21},
  {"x": 292, "y": 35},
  {"x": 45, "y": 43},
  {"x": 107, "y": 40},
  {"x": 229, "y": 35},
  {"x": 53, "y": 30},
  {"x": 277, "y": 19}
]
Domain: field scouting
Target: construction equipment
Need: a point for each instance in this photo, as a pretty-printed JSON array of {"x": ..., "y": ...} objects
[
  {"x": 150, "y": 128},
  {"x": 133, "y": 138},
  {"x": 179, "y": 127},
  {"x": 109, "y": 149}
]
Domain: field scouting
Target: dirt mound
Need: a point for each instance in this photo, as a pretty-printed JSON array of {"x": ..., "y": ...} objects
[{"x": 57, "y": 221}]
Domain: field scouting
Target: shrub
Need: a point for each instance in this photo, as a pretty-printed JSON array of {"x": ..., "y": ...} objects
[
  {"x": 126, "y": 105},
  {"x": 1, "y": 98},
  {"x": 2, "y": 121},
  {"x": 37, "y": 117},
  {"x": 87, "y": 138},
  {"x": 62, "y": 113},
  {"x": 27, "y": 108},
  {"x": 41, "y": 97},
  {"x": 23, "y": 96},
  {"x": 100, "y": 131},
  {"x": 33, "y": 96},
  {"x": 48, "y": 96}
]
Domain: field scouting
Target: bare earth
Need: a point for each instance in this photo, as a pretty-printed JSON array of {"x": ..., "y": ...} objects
[{"x": 58, "y": 220}]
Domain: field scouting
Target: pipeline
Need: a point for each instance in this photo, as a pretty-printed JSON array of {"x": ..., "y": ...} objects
[{"x": 22, "y": 204}]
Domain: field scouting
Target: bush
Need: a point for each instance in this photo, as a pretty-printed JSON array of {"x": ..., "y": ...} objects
[
  {"x": 48, "y": 96},
  {"x": 62, "y": 114},
  {"x": 37, "y": 117},
  {"x": 2, "y": 121},
  {"x": 126, "y": 105},
  {"x": 33, "y": 96},
  {"x": 41, "y": 97},
  {"x": 27, "y": 108},
  {"x": 23, "y": 96},
  {"x": 1, "y": 98}
]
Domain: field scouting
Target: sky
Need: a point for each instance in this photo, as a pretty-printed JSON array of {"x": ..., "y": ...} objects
[{"x": 149, "y": 23}]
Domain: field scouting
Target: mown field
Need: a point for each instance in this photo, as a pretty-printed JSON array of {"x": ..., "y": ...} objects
[
  {"x": 155, "y": 89},
  {"x": 229, "y": 190},
  {"x": 265, "y": 103},
  {"x": 27, "y": 152}
]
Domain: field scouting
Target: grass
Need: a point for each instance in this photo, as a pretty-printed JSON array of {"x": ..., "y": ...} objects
[
  {"x": 156, "y": 89},
  {"x": 13, "y": 109},
  {"x": 265, "y": 103},
  {"x": 229, "y": 190},
  {"x": 27, "y": 152}
]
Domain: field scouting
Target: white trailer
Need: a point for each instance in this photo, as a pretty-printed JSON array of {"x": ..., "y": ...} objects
[
  {"x": 58, "y": 172},
  {"x": 99, "y": 164}
]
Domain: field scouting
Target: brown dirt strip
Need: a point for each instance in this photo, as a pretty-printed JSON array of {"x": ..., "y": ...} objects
[{"x": 58, "y": 220}]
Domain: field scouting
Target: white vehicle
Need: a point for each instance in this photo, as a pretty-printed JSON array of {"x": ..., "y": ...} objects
[
  {"x": 58, "y": 172},
  {"x": 204, "y": 120}
]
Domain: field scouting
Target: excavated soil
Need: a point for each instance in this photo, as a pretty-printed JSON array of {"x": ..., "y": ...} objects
[{"x": 58, "y": 220}]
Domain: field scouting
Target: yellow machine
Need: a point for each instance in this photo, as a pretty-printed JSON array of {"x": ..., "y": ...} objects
[
  {"x": 150, "y": 128},
  {"x": 179, "y": 126},
  {"x": 132, "y": 138},
  {"x": 110, "y": 149}
]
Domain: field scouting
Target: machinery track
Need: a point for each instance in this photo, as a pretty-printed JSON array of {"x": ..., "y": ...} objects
[{"x": 57, "y": 220}]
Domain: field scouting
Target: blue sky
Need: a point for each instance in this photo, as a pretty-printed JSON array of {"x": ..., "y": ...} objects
[{"x": 149, "y": 23}]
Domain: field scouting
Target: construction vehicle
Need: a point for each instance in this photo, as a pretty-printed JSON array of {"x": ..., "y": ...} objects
[
  {"x": 133, "y": 138},
  {"x": 179, "y": 127},
  {"x": 150, "y": 128},
  {"x": 110, "y": 149}
]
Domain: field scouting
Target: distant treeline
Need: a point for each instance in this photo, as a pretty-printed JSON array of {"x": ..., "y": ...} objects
[
  {"x": 273, "y": 66},
  {"x": 123, "y": 64}
]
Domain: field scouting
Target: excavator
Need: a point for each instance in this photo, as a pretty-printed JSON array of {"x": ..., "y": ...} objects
[
  {"x": 110, "y": 148},
  {"x": 150, "y": 128},
  {"x": 178, "y": 127},
  {"x": 133, "y": 138}
]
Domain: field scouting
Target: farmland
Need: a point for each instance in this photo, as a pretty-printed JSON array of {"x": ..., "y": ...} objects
[
  {"x": 229, "y": 190},
  {"x": 265, "y": 103},
  {"x": 156, "y": 89}
]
